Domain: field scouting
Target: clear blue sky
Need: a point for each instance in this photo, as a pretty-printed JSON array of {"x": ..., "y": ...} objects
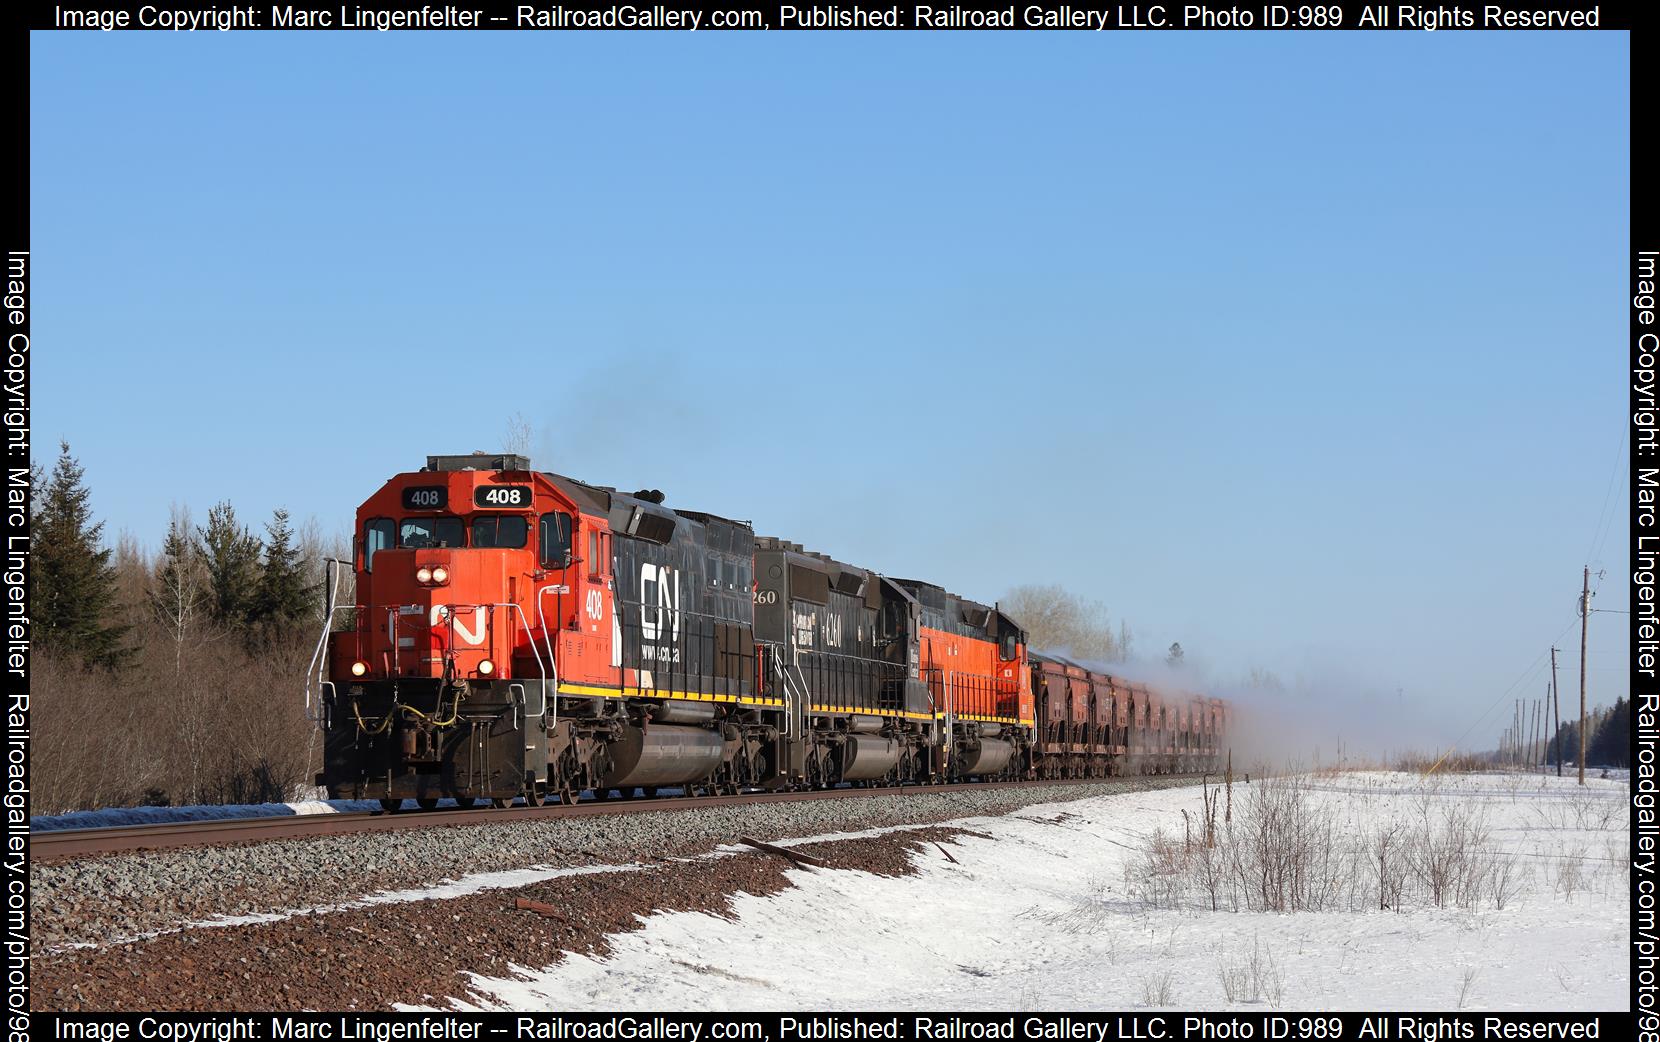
[{"x": 1306, "y": 351}]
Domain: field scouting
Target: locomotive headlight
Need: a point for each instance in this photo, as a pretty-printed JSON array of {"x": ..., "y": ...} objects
[
  {"x": 359, "y": 668},
  {"x": 440, "y": 574},
  {"x": 423, "y": 575},
  {"x": 486, "y": 667}
]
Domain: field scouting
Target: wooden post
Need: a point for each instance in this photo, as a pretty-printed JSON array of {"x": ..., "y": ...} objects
[
  {"x": 1584, "y": 632},
  {"x": 1556, "y": 702},
  {"x": 1227, "y": 818},
  {"x": 1538, "y": 757}
]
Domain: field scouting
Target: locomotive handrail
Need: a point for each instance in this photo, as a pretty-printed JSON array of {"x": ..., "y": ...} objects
[
  {"x": 775, "y": 660},
  {"x": 542, "y": 618},
  {"x": 395, "y": 639},
  {"x": 530, "y": 638},
  {"x": 530, "y": 635},
  {"x": 331, "y": 580}
]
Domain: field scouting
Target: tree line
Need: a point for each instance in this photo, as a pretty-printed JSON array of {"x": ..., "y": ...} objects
[
  {"x": 1607, "y": 737},
  {"x": 173, "y": 677}
]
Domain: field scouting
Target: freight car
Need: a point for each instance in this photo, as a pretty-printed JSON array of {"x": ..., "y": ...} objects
[
  {"x": 1093, "y": 724},
  {"x": 519, "y": 634}
]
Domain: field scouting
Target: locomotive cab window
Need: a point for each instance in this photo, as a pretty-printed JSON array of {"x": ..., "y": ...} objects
[
  {"x": 1006, "y": 646},
  {"x": 500, "y": 531},
  {"x": 555, "y": 539},
  {"x": 377, "y": 535},
  {"x": 422, "y": 533}
]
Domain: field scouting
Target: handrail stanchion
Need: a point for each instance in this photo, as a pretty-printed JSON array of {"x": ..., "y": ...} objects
[
  {"x": 534, "y": 650},
  {"x": 319, "y": 661},
  {"x": 542, "y": 618}
]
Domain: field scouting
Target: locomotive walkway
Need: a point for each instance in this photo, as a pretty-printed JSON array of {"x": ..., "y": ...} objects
[{"x": 66, "y": 843}]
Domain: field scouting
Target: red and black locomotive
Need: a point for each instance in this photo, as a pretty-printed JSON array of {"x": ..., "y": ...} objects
[{"x": 516, "y": 633}]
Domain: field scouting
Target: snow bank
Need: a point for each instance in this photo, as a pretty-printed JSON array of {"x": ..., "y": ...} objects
[
  {"x": 1042, "y": 916},
  {"x": 110, "y": 817}
]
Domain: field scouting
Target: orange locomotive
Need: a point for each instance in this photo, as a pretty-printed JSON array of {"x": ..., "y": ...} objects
[{"x": 514, "y": 633}]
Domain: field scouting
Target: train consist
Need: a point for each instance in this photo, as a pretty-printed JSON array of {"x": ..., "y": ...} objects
[{"x": 516, "y": 633}]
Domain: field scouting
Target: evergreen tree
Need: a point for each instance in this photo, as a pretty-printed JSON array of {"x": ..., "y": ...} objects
[
  {"x": 1611, "y": 744},
  {"x": 230, "y": 553},
  {"x": 72, "y": 583},
  {"x": 282, "y": 599}
]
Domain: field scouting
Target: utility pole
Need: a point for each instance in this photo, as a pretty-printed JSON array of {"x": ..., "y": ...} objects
[
  {"x": 1536, "y": 752},
  {"x": 1556, "y": 702},
  {"x": 1584, "y": 633},
  {"x": 1532, "y": 738},
  {"x": 1533, "y": 735}
]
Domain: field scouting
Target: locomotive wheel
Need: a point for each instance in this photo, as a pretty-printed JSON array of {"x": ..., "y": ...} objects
[
  {"x": 427, "y": 803},
  {"x": 501, "y": 802},
  {"x": 391, "y": 806},
  {"x": 465, "y": 803}
]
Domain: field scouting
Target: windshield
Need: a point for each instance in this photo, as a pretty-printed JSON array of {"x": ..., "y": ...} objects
[
  {"x": 420, "y": 533},
  {"x": 496, "y": 531}
]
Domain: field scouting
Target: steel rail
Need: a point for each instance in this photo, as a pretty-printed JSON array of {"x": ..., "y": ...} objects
[{"x": 66, "y": 843}]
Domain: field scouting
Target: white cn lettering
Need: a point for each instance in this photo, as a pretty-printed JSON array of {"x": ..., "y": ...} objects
[
  {"x": 659, "y": 603},
  {"x": 441, "y": 615}
]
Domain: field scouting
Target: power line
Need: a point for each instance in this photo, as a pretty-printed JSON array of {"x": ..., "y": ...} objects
[
  {"x": 1531, "y": 669},
  {"x": 1604, "y": 516}
]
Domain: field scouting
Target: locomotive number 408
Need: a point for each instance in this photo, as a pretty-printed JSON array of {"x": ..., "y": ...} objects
[{"x": 502, "y": 496}]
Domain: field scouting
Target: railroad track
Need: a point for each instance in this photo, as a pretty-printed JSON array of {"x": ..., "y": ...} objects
[{"x": 65, "y": 843}]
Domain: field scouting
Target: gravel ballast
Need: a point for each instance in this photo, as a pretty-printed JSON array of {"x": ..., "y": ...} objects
[{"x": 113, "y": 901}]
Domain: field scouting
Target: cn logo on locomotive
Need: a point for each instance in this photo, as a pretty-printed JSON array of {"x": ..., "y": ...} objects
[
  {"x": 659, "y": 603},
  {"x": 445, "y": 619}
]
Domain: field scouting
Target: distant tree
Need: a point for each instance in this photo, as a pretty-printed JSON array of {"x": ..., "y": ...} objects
[
  {"x": 518, "y": 435},
  {"x": 1173, "y": 658},
  {"x": 132, "y": 575},
  {"x": 73, "y": 591},
  {"x": 1594, "y": 722},
  {"x": 179, "y": 597},
  {"x": 281, "y": 598},
  {"x": 230, "y": 553},
  {"x": 1264, "y": 679},
  {"x": 1611, "y": 745},
  {"x": 1058, "y": 620}
]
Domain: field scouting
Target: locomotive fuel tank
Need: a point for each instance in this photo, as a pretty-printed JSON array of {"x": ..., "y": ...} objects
[
  {"x": 663, "y": 755},
  {"x": 992, "y": 756},
  {"x": 868, "y": 756},
  {"x": 682, "y": 712}
]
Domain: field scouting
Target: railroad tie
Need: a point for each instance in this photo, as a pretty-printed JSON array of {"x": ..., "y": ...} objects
[
  {"x": 538, "y": 907},
  {"x": 784, "y": 852}
]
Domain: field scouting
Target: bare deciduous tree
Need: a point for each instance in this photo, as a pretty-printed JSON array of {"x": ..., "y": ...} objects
[
  {"x": 519, "y": 435},
  {"x": 132, "y": 576},
  {"x": 1058, "y": 620}
]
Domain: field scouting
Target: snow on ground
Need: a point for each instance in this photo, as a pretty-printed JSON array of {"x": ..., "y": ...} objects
[
  {"x": 110, "y": 817},
  {"x": 1044, "y": 915}
]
